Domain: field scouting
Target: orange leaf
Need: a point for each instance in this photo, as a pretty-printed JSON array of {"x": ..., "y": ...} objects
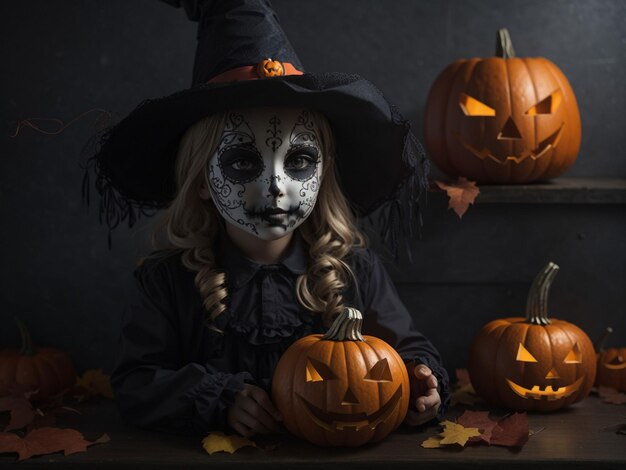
[
  {"x": 95, "y": 382},
  {"x": 46, "y": 440},
  {"x": 461, "y": 194}
]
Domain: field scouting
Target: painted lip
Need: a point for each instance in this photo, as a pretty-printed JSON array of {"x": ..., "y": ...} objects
[
  {"x": 340, "y": 421},
  {"x": 549, "y": 392},
  {"x": 548, "y": 143}
]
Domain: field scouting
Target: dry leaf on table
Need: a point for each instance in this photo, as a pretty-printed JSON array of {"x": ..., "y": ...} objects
[
  {"x": 611, "y": 395},
  {"x": 94, "y": 382},
  {"x": 220, "y": 442},
  {"x": 452, "y": 433},
  {"x": 512, "y": 431},
  {"x": 21, "y": 412},
  {"x": 463, "y": 393},
  {"x": 461, "y": 194},
  {"x": 480, "y": 420},
  {"x": 46, "y": 441}
]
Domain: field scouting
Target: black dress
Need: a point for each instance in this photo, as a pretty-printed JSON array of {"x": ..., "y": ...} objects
[{"x": 174, "y": 374}]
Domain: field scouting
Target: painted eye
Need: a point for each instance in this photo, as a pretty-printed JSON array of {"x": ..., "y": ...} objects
[
  {"x": 299, "y": 163},
  {"x": 244, "y": 165},
  {"x": 380, "y": 372},
  {"x": 473, "y": 107},
  {"x": 547, "y": 105},
  {"x": 240, "y": 164},
  {"x": 524, "y": 355},
  {"x": 574, "y": 356},
  {"x": 317, "y": 371}
]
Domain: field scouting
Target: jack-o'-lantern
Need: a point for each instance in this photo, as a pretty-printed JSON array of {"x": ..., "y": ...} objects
[
  {"x": 611, "y": 365},
  {"x": 342, "y": 388},
  {"x": 502, "y": 119},
  {"x": 533, "y": 363},
  {"x": 270, "y": 68}
]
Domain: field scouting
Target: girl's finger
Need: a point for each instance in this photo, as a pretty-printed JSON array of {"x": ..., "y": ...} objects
[
  {"x": 427, "y": 401},
  {"x": 251, "y": 422},
  {"x": 262, "y": 398},
  {"x": 422, "y": 371},
  {"x": 258, "y": 413},
  {"x": 432, "y": 381}
]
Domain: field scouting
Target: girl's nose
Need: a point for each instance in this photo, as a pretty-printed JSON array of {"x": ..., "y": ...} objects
[{"x": 275, "y": 191}]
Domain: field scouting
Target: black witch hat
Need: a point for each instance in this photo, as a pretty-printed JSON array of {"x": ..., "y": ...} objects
[{"x": 244, "y": 59}]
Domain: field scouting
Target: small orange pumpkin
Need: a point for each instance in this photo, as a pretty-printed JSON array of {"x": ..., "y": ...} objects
[
  {"x": 532, "y": 363},
  {"x": 611, "y": 365},
  {"x": 270, "y": 68},
  {"x": 48, "y": 369},
  {"x": 502, "y": 119},
  {"x": 342, "y": 388}
]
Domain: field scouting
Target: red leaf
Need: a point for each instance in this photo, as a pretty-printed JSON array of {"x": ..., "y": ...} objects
[
  {"x": 511, "y": 432},
  {"x": 480, "y": 420},
  {"x": 21, "y": 410},
  {"x": 462, "y": 377},
  {"x": 461, "y": 194},
  {"x": 46, "y": 440}
]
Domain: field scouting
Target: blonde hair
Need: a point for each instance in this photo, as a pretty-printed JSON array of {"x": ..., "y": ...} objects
[{"x": 190, "y": 226}]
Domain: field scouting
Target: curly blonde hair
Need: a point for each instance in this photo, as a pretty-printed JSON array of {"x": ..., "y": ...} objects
[{"x": 190, "y": 226}]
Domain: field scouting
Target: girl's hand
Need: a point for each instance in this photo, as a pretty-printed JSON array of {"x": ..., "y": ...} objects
[
  {"x": 253, "y": 413},
  {"x": 425, "y": 399}
]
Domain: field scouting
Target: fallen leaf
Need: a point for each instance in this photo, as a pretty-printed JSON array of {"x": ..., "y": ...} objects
[
  {"x": 454, "y": 433},
  {"x": 433, "y": 442},
  {"x": 462, "y": 377},
  {"x": 480, "y": 420},
  {"x": 512, "y": 431},
  {"x": 461, "y": 194},
  {"x": 220, "y": 442},
  {"x": 611, "y": 395},
  {"x": 95, "y": 382},
  {"x": 46, "y": 440},
  {"x": 464, "y": 395},
  {"x": 21, "y": 412}
]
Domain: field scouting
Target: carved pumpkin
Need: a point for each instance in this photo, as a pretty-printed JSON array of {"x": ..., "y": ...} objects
[
  {"x": 502, "y": 119},
  {"x": 532, "y": 363},
  {"x": 611, "y": 366},
  {"x": 270, "y": 68},
  {"x": 48, "y": 369},
  {"x": 341, "y": 389}
]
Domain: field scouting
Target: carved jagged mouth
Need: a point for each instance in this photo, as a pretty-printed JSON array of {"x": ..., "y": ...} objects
[
  {"x": 550, "y": 142},
  {"x": 340, "y": 421},
  {"x": 549, "y": 392}
]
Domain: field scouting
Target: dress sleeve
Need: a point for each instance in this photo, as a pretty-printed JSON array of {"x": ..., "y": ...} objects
[
  {"x": 152, "y": 388},
  {"x": 387, "y": 318}
]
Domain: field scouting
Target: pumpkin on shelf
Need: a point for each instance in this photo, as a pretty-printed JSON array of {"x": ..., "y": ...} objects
[
  {"x": 611, "y": 365},
  {"x": 341, "y": 388},
  {"x": 502, "y": 119},
  {"x": 533, "y": 363},
  {"x": 48, "y": 369}
]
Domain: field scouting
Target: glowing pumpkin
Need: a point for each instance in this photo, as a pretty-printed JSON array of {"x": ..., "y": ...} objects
[
  {"x": 341, "y": 389},
  {"x": 611, "y": 366},
  {"x": 48, "y": 369},
  {"x": 532, "y": 363},
  {"x": 270, "y": 68},
  {"x": 502, "y": 119}
]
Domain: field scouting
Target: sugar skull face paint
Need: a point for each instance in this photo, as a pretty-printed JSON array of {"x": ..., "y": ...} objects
[{"x": 265, "y": 174}]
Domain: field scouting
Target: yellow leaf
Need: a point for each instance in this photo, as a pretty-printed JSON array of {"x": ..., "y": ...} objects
[
  {"x": 433, "y": 442},
  {"x": 220, "y": 442},
  {"x": 97, "y": 382},
  {"x": 454, "y": 433}
]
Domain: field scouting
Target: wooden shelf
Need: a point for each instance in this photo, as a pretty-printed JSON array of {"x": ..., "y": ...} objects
[{"x": 557, "y": 191}]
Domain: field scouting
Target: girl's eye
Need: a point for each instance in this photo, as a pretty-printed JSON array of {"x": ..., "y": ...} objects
[
  {"x": 299, "y": 163},
  {"x": 243, "y": 165}
]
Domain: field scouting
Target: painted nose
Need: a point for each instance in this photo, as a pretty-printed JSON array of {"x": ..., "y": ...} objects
[
  {"x": 349, "y": 398},
  {"x": 509, "y": 131},
  {"x": 275, "y": 191}
]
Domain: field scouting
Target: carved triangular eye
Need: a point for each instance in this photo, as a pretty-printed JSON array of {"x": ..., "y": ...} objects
[
  {"x": 317, "y": 371},
  {"x": 473, "y": 107},
  {"x": 547, "y": 105},
  {"x": 524, "y": 355},
  {"x": 574, "y": 356},
  {"x": 380, "y": 372}
]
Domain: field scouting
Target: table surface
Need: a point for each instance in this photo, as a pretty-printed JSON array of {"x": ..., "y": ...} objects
[{"x": 582, "y": 436}]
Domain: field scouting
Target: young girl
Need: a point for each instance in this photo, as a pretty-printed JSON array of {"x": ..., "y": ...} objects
[{"x": 258, "y": 245}]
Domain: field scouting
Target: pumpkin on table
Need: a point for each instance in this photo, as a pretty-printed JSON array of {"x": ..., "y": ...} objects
[
  {"x": 48, "y": 369},
  {"x": 533, "y": 363},
  {"x": 341, "y": 388},
  {"x": 502, "y": 119},
  {"x": 611, "y": 365}
]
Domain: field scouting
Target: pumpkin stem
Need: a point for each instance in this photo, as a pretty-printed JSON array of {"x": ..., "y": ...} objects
[
  {"x": 599, "y": 344},
  {"x": 537, "y": 303},
  {"x": 504, "y": 45},
  {"x": 346, "y": 327},
  {"x": 27, "y": 342}
]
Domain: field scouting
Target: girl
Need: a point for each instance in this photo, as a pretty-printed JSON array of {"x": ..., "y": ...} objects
[{"x": 258, "y": 245}]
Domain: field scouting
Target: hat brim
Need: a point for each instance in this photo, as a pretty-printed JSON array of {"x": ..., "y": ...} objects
[{"x": 137, "y": 155}]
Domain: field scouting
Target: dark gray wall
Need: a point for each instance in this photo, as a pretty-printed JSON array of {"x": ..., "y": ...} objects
[{"x": 60, "y": 59}]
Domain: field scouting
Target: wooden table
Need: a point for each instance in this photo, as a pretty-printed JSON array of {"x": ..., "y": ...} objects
[{"x": 583, "y": 436}]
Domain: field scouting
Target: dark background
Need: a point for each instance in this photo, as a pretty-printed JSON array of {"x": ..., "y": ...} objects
[{"x": 61, "y": 59}]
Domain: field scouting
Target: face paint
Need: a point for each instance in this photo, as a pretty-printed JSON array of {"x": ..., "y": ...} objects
[{"x": 265, "y": 174}]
